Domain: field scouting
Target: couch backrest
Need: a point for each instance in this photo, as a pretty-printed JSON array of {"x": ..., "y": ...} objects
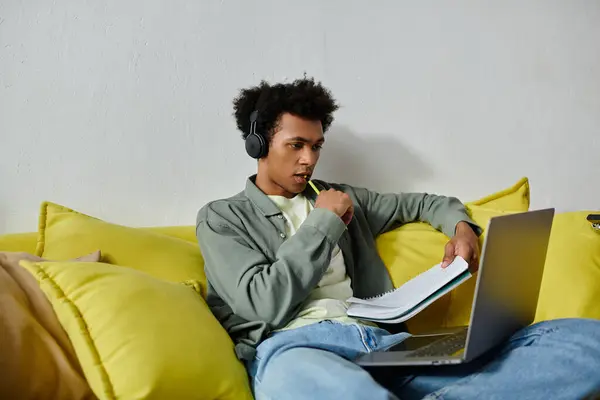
[{"x": 27, "y": 241}]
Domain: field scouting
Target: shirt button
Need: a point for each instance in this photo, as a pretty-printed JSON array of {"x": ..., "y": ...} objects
[{"x": 282, "y": 235}]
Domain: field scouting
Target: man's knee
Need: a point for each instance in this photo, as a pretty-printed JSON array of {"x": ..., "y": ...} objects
[
  {"x": 573, "y": 341},
  {"x": 309, "y": 373},
  {"x": 568, "y": 329}
]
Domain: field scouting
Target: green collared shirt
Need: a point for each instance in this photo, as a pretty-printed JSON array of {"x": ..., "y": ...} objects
[{"x": 258, "y": 277}]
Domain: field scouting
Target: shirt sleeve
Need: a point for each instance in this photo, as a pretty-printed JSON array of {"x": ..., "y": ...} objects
[{"x": 384, "y": 211}]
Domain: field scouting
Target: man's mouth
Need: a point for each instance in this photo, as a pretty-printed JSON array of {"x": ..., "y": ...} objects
[{"x": 301, "y": 178}]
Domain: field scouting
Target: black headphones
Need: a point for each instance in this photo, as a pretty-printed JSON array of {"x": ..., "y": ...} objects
[{"x": 256, "y": 144}]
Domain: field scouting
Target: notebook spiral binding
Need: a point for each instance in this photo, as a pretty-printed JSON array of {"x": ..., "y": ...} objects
[
  {"x": 381, "y": 295},
  {"x": 387, "y": 292}
]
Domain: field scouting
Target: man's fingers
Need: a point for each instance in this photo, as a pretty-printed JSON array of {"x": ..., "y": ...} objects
[
  {"x": 449, "y": 251},
  {"x": 474, "y": 263},
  {"x": 347, "y": 217},
  {"x": 471, "y": 257}
]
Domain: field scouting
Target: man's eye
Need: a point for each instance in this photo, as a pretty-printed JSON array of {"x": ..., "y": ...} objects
[
  {"x": 296, "y": 145},
  {"x": 318, "y": 147}
]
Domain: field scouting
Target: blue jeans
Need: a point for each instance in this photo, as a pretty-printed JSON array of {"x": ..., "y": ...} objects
[{"x": 557, "y": 359}]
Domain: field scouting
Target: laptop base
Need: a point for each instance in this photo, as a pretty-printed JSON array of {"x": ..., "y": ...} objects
[{"x": 426, "y": 349}]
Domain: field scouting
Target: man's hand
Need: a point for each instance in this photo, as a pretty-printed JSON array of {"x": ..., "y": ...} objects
[
  {"x": 337, "y": 202},
  {"x": 465, "y": 244}
]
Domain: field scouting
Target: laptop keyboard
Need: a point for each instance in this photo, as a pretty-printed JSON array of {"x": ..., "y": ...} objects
[{"x": 443, "y": 347}]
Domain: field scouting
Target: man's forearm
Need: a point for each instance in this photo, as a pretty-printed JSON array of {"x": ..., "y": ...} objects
[{"x": 384, "y": 211}]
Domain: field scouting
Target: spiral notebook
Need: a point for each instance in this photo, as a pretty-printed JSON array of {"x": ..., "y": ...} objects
[{"x": 414, "y": 296}]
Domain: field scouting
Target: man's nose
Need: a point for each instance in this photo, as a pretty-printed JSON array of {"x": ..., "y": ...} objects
[{"x": 309, "y": 156}]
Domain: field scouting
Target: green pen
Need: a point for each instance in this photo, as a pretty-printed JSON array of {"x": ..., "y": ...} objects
[{"x": 314, "y": 187}]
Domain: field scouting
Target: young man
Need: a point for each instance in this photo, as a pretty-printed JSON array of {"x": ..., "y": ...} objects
[{"x": 281, "y": 261}]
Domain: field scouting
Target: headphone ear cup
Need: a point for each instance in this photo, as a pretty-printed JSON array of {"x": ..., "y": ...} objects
[{"x": 255, "y": 146}]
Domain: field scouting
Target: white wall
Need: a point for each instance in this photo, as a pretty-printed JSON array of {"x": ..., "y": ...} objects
[{"x": 122, "y": 109}]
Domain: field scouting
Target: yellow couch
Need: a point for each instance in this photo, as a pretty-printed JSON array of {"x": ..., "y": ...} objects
[{"x": 141, "y": 329}]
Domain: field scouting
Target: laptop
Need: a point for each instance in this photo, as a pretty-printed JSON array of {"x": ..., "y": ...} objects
[{"x": 505, "y": 299}]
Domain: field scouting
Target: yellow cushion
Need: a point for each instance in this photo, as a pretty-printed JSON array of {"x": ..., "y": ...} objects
[
  {"x": 65, "y": 233},
  {"x": 413, "y": 248},
  {"x": 571, "y": 282},
  {"x": 24, "y": 242},
  {"x": 184, "y": 232},
  {"x": 514, "y": 198},
  {"x": 140, "y": 337},
  {"x": 27, "y": 241}
]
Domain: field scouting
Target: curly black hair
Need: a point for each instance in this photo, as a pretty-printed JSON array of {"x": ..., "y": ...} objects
[{"x": 303, "y": 98}]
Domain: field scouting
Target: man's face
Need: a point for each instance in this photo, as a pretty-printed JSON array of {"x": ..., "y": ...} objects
[{"x": 293, "y": 152}]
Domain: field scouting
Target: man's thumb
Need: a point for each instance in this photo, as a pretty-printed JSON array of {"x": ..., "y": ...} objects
[{"x": 448, "y": 255}]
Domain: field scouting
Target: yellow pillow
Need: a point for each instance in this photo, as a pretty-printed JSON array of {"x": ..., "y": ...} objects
[
  {"x": 514, "y": 198},
  {"x": 140, "y": 337},
  {"x": 183, "y": 232},
  {"x": 24, "y": 242},
  {"x": 65, "y": 233},
  {"x": 571, "y": 282},
  {"x": 413, "y": 248}
]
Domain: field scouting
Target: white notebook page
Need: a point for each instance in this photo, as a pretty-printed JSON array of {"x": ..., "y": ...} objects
[{"x": 418, "y": 288}]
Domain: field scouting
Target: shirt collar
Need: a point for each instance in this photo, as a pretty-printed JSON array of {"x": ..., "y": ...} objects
[{"x": 262, "y": 201}]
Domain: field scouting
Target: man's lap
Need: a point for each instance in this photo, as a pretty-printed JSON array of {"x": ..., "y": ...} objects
[
  {"x": 345, "y": 340},
  {"x": 558, "y": 356},
  {"x": 556, "y": 359},
  {"x": 314, "y": 361},
  {"x": 311, "y": 373}
]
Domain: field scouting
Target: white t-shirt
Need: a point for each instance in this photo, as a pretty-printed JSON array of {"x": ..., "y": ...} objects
[{"x": 328, "y": 299}]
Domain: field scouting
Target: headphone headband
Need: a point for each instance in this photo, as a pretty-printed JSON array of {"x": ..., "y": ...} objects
[{"x": 262, "y": 99}]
